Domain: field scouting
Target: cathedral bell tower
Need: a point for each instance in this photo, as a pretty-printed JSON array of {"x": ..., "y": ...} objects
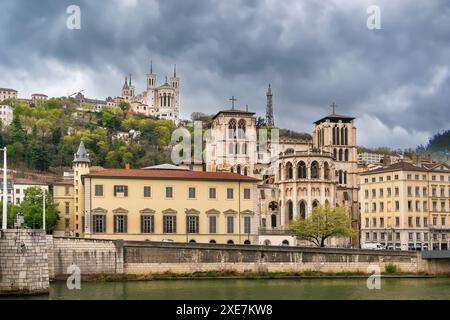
[{"x": 80, "y": 165}]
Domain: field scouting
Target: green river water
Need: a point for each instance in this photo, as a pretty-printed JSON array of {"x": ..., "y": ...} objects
[{"x": 298, "y": 289}]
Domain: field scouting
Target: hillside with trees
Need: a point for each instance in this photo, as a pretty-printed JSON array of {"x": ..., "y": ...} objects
[{"x": 46, "y": 136}]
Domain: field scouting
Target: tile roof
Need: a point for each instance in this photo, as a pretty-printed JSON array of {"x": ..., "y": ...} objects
[
  {"x": 28, "y": 181},
  {"x": 64, "y": 182},
  {"x": 404, "y": 166},
  {"x": 234, "y": 111},
  {"x": 8, "y": 89},
  {"x": 335, "y": 117},
  {"x": 170, "y": 174}
]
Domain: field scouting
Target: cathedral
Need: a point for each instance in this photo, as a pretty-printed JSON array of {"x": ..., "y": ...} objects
[
  {"x": 295, "y": 175},
  {"x": 161, "y": 101}
]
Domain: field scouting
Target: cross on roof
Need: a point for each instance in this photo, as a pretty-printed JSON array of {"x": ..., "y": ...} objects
[
  {"x": 232, "y": 99},
  {"x": 333, "y": 106}
]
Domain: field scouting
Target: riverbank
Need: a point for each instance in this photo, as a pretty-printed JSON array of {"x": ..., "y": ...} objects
[{"x": 230, "y": 275}]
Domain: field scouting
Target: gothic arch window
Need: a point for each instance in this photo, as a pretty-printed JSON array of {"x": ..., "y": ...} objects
[
  {"x": 323, "y": 137},
  {"x": 241, "y": 129},
  {"x": 340, "y": 155},
  {"x": 244, "y": 148},
  {"x": 302, "y": 210},
  {"x": 319, "y": 137},
  {"x": 273, "y": 220},
  {"x": 314, "y": 170},
  {"x": 346, "y": 136},
  {"x": 290, "y": 210},
  {"x": 340, "y": 176},
  {"x": 315, "y": 203},
  {"x": 301, "y": 170},
  {"x": 280, "y": 172},
  {"x": 335, "y": 154},
  {"x": 232, "y": 129},
  {"x": 232, "y": 169},
  {"x": 326, "y": 171},
  {"x": 289, "y": 171},
  {"x": 337, "y": 136},
  {"x": 345, "y": 177},
  {"x": 238, "y": 169},
  {"x": 245, "y": 172},
  {"x": 346, "y": 155},
  {"x": 230, "y": 148},
  {"x": 342, "y": 135},
  {"x": 238, "y": 149},
  {"x": 334, "y": 136}
]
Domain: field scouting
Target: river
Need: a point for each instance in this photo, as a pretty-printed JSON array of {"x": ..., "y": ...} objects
[{"x": 298, "y": 289}]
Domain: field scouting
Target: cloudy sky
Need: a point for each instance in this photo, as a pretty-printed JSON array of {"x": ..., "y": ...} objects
[{"x": 395, "y": 80}]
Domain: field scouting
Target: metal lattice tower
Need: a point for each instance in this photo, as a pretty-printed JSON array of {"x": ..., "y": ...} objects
[{"x": 269, "y": 109}]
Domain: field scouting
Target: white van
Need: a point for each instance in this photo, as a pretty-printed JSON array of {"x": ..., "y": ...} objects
[{"x": 372, "y": 246}]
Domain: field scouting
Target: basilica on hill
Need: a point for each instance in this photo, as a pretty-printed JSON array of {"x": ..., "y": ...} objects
[
  {"x": 295, "y": 175},
  {"x": 161, "y": 101}
]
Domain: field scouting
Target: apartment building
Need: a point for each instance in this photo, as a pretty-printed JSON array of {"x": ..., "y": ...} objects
[{"x": 406, "y": 206}]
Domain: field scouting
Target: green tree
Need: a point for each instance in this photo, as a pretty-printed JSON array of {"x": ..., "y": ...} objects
[
  {"x": 31, "y": 208},
  {"x": 13, "y": 210},
  {"x": 39, "y": 157},
  {"x": 17, "y": 134},
  {"x": 323, "y": 223}
]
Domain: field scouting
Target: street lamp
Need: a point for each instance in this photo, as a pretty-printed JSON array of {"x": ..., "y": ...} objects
[{"x": 5, "y": 192}]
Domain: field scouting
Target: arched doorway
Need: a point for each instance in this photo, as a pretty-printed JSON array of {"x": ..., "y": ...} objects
[
  {"x": 230, "y": 242},
  {"x": 247, "y": 242}
]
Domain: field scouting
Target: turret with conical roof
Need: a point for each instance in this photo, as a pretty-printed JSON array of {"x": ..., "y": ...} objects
[{"x": 81, "y": 156}]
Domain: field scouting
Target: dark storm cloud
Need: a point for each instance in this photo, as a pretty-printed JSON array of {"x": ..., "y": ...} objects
[{"x": 394, "y": 80}]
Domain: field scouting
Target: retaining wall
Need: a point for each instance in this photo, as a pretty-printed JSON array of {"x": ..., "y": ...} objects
[{"x": 23, "y": 262}]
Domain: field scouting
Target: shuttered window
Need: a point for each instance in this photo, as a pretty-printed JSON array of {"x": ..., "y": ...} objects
[
  {"x": 120, "y": 223},
  {"x": 147, "y": 224}
]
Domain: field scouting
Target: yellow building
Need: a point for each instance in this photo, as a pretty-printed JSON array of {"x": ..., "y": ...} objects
[
  {"x": 159, "y": 203},
  {"x": 63, "y": 192},
  {"x": 406, "y": 206}
]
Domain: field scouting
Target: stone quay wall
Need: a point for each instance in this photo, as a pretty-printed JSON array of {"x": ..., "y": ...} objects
[
  {"x": 24, "y": 265},
  {"x": 93, "y": 257},
  {"x": 29, "y": 259},
  {"x": 178, "y": 258}
]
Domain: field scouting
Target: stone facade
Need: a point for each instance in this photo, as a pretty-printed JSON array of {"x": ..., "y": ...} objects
[{"x": 23, "y": 262}]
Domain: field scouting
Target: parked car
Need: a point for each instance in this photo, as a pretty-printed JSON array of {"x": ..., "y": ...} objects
[{"x": 372, "y": 246}]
